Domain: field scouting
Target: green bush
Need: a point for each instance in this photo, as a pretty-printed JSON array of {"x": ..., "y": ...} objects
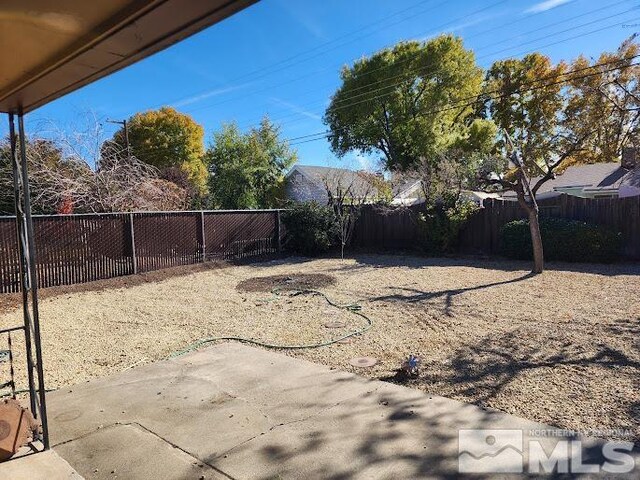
[
  {"x": 562, "y": 239},
  {"x": 439, "y": 226},
  {"x": 311, "y": 229}
]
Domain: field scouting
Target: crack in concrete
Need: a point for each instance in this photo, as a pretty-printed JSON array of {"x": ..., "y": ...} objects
[
  {"x": 85, "y": 435},
  {"x": 213, "y": 467},
  {"x": 173, "y": 383},
  {"x": 142, "y": 427},
  {"x": 297, "y": 420}
]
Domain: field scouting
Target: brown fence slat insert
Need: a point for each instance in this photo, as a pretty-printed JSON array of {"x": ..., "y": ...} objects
[{"x": 83, "y": 248}]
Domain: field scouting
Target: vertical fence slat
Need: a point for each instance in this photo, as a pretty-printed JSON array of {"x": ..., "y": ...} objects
[
  {"x": 132, "y": 244},
  {"x": 203, "y": 237},
  {"x": 278, "y": 233}
]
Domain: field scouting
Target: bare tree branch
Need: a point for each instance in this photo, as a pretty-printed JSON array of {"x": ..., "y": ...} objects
[{"x": 63, "y": 182}]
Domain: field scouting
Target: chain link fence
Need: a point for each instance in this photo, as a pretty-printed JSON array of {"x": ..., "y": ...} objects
[{"x": 82, "y": 248}]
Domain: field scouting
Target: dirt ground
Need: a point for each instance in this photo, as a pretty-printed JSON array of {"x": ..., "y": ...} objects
[{"x": 561, "y": 348}]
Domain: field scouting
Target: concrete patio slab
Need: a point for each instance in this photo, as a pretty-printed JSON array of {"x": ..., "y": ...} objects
[
  {"x": 47, "y": 465},
  {"x": 231, "y": 411},
  {"x": 120, "y": 452}
]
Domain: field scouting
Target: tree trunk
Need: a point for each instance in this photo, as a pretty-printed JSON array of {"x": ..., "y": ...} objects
[
  {"x": 534, "y": 229},
  {"x": 536, "y": 241}
]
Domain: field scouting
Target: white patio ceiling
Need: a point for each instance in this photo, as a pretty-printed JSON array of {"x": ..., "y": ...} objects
[{"x": 49, "y": 48}]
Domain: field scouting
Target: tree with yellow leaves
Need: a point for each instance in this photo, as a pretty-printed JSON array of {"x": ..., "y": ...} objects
[{"x": 168, "y": 139}]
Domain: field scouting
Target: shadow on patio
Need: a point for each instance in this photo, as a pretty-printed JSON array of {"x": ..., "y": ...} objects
[{"x": 231, "y": 411}]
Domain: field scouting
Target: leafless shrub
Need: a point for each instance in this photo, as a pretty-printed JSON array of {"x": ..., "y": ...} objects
[
  {"x": 347, "y": 193},
  {"x": 62, "y": 180}
]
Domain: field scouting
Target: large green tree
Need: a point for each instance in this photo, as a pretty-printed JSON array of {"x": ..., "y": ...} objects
[
  {"x": 409, "y": 103},
  {"x": 247, "y": 169},
  {"x": 168, "y": 139}
]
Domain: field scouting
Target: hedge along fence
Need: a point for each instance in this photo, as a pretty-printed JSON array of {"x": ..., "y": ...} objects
[
  {"x": 563, "y": 240},
  {"x": 82, "y": 248},
  {"x": 481, "y": 233},
  {"x": 385, "y": 228}
]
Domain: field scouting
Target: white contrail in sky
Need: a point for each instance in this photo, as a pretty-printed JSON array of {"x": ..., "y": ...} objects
[
  {"x": 209, "y": 94},
  {"x": 296, "y": 108},
  {"x": 546, "y": 5}
]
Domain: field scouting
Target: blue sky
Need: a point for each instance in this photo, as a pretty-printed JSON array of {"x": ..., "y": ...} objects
[{"x": 282, "y": 58}]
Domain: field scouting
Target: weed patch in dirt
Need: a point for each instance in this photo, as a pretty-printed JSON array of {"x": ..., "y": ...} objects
[{"x": 294, "y": 281}]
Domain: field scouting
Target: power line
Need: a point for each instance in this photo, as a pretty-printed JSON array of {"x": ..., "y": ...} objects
[
  {"x": 295, "y": 114},
  {"x": 386, "y": 24},
  {"x": 398, "y": 84},
  {"x": 580, "y": 26},
  {"x": 470, "y": 101},
  {"x": 424, "y": 70},
  {"x": 252, "y": 73},
  {"x": 490, "y": 30},
  {"x": 385, "y": 21},
  {"x": 488, "y": 95}
]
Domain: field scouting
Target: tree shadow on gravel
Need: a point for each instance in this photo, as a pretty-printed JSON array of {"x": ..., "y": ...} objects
[
  {"x": 483, "y": 370},
  {"x": 413, "y": 295},
  {"x": 625, "y": 326}
]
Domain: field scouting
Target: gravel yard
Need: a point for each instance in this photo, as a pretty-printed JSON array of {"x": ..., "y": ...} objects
[{"x": 561, "y": 348}]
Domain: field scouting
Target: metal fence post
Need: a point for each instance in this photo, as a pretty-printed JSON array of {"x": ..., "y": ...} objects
[
  {"x": 132, "y": 239},
  {"x": 203, "y": 239},
  {"x": 278, "y": 233}
]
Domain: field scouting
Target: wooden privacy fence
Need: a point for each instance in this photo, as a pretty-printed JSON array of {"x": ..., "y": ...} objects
[
  {"x": 82, "y": 248},
  {"x": 386, "y": 228},
  {"x": 482, "y": 232}
]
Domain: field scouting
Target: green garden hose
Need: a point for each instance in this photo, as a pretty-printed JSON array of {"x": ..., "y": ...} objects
[
  {"x": 350, "y": 307},
  {"x": 276, "y": 293}
]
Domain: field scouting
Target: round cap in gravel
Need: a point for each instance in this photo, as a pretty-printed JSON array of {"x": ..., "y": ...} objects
[
  {"x": 363, "y": 361},
  {"x": 335, "y": 324}
]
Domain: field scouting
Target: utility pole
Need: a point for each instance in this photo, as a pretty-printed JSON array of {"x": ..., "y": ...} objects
[{"x": 126, "y": 134}]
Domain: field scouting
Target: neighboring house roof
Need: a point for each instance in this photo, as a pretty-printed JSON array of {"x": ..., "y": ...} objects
[
  {"x": 407, "y": 192},
  {"x": 337, "y": 178},
  {"x": 632, "y": 178},
  {"x": 476, "y": 196},
  {"x": 597, "y": 175},
  {"x": 630, "y": 184},
  {"x": 406, "y": 188}
]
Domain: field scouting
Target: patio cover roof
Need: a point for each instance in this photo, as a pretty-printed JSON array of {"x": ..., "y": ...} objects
[{"x": 49, "y": 48}]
